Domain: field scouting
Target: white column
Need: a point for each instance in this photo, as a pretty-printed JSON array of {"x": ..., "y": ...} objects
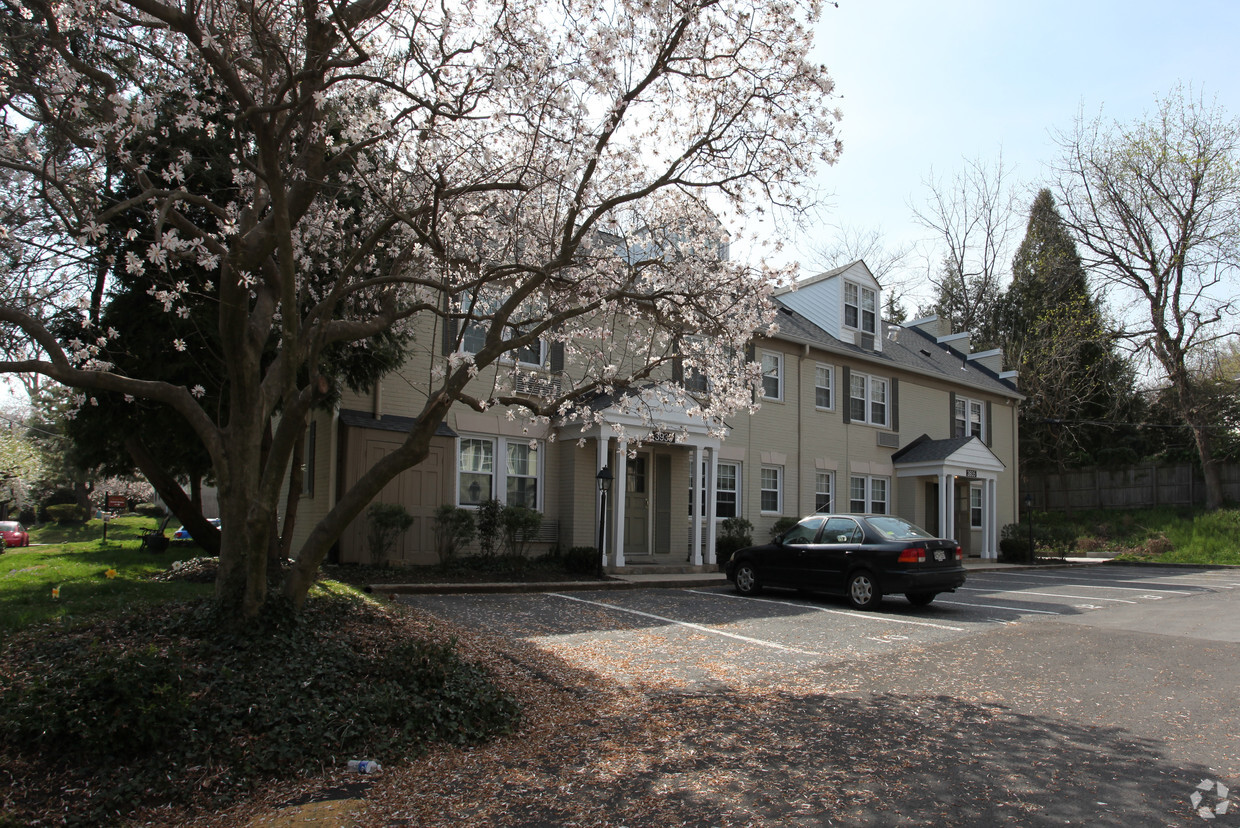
[
  {"x": 695, "y": 496},
  {"x": 712, "y": 475},
  {"x": 945, "y": 510},
  {"x": 617, "y": 492},
  {"x": 992, "y": 517},
  {"x": 599, "y": 517}
]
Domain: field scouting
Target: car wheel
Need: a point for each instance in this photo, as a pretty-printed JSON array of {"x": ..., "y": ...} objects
[
  {"x": 920, "y": 599},
  {"x": 863, "y": 590},
  {"x": 747, "y": 582}
]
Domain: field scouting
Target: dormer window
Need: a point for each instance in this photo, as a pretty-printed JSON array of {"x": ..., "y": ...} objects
[{"x": 860, "y": 308}]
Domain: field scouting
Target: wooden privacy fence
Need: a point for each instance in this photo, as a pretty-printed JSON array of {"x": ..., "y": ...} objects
[{"x": 1130, "y": 487}]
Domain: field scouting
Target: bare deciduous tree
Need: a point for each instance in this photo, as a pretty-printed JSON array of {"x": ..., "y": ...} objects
[
  {"x": 973, "y": 219},
  {"x": 1155, "y": 207}
]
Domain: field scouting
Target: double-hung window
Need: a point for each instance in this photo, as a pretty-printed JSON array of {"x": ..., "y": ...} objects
[
  {"x": 868, "y": 400},
  {"x": 822, "y": 492},
  {"x": 868, "y": 493},
  {"x": 772, "y": 489},
  {"x": 860, "y": 307},
  {"x": 474, "y": 337},
  {"x": 772, "y": 375},
  {"x": 969, "y": 416},
  {"x": 518, "y": 476},
  {"x": 975, "y": 507},
  {"x": 727, "y": 490},
  {"x": 824, "y": 387},
  {"x": 522, "y": 474}
]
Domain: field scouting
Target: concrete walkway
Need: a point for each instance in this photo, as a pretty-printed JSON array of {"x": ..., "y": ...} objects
[{"x": 654, "y": 580}]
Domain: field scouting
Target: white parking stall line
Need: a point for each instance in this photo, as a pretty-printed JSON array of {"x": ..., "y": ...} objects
[
  {"x": 698, "y": 627},
  {"x": 869, "y": 616},
  {"x": 1047, "y": 594},
  {"x": 998, "y": 607},
  {"x": 1078, "y": 582}
]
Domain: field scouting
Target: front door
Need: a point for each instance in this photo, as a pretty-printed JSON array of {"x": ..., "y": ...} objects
[
  {"x": 931, "y": 524},
  {"x": 962, "y": 522},
  {"x": 637, "y": 506}
]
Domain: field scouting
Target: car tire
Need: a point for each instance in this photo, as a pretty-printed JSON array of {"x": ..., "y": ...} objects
[
  {"x": 920, "y": 599},
  {"x": 746, "y": 579},
  {"x": 863, "y": 591}
]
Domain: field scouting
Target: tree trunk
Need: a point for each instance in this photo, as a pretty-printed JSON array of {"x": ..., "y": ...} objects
[{"x": 188, "y": 510}]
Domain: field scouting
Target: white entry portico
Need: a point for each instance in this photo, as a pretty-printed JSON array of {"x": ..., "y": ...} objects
[
  {"x": 652, "y": 419},
  {"x": 950, "y": 464}
]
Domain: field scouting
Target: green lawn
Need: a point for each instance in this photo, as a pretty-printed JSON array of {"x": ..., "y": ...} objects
[
  {"x": 75, "y": 561},
  {"x": 1165, "y": 535}
]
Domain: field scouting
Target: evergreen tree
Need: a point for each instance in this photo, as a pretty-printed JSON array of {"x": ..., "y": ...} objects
[{"x": 1052, "y": 331}]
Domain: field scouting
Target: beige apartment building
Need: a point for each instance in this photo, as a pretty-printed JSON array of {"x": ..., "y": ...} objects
[{"x": 857, "y": 415}]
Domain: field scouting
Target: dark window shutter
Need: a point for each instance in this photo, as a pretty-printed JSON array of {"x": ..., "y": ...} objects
[
  {"x": 557, "y": 357},
  {"x": 846, "y": 393},
  {"x": 951, "y": 415},
  {"x": 678, "y": 370},
  {"x": 986, "y": 433},
  {"x": 895, "y": 404}
]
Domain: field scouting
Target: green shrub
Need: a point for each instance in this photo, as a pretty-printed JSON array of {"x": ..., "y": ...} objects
[
  {"x": 386, "y": 523},
  {"x": 782, "y": 525},
  {"x": 735, "y": 533},
  {"x": 66, "y": 513},
  {"x": 454, "y": 528},
  {"x": 1013, "y": 550},
  {"x": 582, "y": 560},
  {"x": 519, "y": 525},
  {"x": 490, "y": 525}
]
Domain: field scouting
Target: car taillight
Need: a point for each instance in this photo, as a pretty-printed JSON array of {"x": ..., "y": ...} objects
[
  {"x": 913, "y": 554},
  {"x": 960, "y": 553}
]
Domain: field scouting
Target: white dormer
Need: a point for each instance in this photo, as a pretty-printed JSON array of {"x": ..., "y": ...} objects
[{"x": 847, "y": 302}]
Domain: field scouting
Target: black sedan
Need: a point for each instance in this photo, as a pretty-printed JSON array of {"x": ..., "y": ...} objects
[{"x": 862, "y": 557}]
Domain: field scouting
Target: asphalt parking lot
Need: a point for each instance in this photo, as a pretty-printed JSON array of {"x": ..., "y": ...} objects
[{"x": 1095, "y": 696}]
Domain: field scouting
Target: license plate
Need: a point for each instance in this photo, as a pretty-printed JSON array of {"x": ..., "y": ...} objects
[{"x": 940, "y": 555}]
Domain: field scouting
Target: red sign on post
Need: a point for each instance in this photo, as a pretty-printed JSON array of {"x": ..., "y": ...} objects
[{"x": 116, "y": 502}]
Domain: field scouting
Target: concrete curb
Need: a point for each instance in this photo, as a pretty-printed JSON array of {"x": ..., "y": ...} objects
[
  {"x": 540, "y": 586},
  {"x": 640, "y": 581}
]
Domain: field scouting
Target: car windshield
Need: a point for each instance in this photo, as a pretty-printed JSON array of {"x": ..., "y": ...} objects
[
  {"x": 10, "y": 526},
  {"x": 897, "y": 528}
]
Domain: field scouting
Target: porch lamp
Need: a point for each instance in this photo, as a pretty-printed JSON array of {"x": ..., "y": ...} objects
[
  {"x": 604, "y": 478},
  {"x": 1029, "y": 514}
]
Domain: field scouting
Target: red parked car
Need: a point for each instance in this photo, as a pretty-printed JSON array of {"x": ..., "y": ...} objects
[{"x": 14, "y": 533}]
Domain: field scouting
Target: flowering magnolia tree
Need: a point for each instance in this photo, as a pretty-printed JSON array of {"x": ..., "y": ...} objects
[{"x": 301, "y": 178}]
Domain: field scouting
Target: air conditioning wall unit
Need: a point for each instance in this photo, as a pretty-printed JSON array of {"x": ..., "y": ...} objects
[
  {"x": 537, "y": 386},
  {"x": 888, "y": 439}
]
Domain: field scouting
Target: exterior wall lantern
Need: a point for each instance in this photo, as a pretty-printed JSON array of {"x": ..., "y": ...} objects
[
  {"x": 604, "y": 478},
  {"x": 1029, "y": 515}
]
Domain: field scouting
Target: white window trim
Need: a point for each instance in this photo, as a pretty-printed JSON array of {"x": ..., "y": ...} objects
[
  {"x": 499, "y": 469},
  {"x": 862, "y": 290},
  {"x": 779, "y": 490},
  {"x": 869, "y": 493},
  {"x": 831, "y": 494},
  {"x": 508, "y": 356},
  {"x": 870, "y": 379},
  {"x": 830, "y": 386},
  {"x": 736, "y": 492},
  {"x": 969, "y": 403},
  {"x": 977, "y": 514},
  {"x": 779, "y": 374}
]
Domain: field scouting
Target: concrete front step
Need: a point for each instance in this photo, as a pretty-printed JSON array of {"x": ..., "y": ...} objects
[{"x": 660, "y": 569}]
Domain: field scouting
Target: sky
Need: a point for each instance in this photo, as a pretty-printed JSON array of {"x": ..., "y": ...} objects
[{"x": 924, "y": 85}]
